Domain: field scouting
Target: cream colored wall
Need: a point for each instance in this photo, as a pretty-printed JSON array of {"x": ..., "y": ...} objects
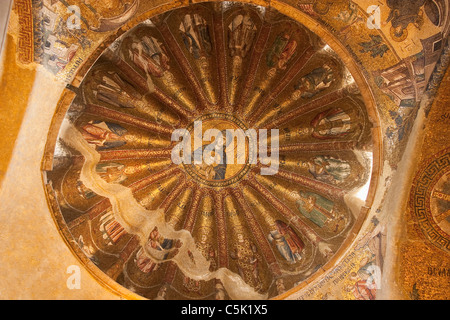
[{"x": 33, "y": 257}]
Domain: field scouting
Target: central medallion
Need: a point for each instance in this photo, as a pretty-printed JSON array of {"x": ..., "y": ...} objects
[{"x": 221, "y": 162}]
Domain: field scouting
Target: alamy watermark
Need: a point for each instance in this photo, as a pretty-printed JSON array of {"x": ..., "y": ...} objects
[
  {"x": 374, "y": 20},
  {"x": 229, "y": 146},
  {"x": 74, "y": 280},
  {"x": 74, "y": 21}
]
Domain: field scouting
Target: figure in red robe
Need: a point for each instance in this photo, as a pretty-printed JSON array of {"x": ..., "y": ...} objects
[{"x": 287, "y": 242}]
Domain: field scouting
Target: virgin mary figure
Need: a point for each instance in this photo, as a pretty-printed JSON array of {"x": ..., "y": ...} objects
[{"x": 217, "y": 167}]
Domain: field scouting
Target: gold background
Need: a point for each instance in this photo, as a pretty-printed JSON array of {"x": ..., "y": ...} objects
[{"x": 34, "y": 258}]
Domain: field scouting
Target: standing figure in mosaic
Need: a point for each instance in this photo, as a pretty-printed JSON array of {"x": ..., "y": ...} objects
[
  {"x": 287, "y": 242},
  {"x": 328, "y": 169},
  {"x": 115, "y": 91},
  {"x": 209, "y": 252},
  {"x": 103, "y": 135},
  {"x": 283, "y": 48},
  {"x": 248, "y": 260},
  {"x": 314, "y": 82},
  {"x": 316, "y": 208},
  {"x": 331, "y": 123},
  {"x": 242, "y": 32},
  {"x": 195, "y": 33},
  {"x": 150, "y": 56}
]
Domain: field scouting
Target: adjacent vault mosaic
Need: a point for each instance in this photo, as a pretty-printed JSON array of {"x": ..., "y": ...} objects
[{"x": 212, "y": 231}]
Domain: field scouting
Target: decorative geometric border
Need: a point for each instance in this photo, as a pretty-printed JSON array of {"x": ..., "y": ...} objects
[
  {"x": 420, "y": 198},
  {"x": 25, "y": 46}
]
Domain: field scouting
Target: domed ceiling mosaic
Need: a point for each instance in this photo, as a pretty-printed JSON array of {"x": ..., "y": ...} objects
[{"x": 214, "y": 230}]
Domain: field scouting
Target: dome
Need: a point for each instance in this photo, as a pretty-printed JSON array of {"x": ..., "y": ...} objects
[{"x": 254, "y": 222}]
